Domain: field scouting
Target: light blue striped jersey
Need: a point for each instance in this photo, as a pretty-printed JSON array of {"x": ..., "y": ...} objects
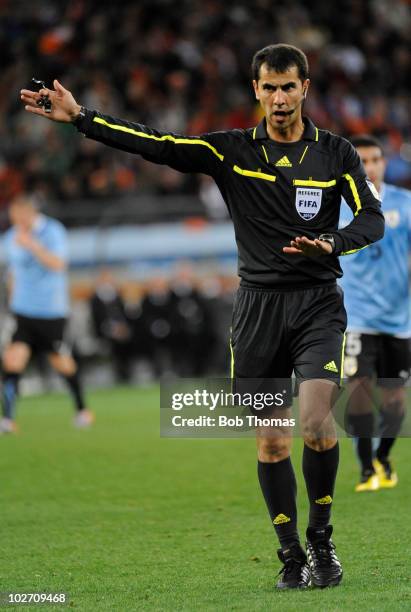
[
  {"x": 375, "y": 281},
  {"x": 38, "y": 291}
]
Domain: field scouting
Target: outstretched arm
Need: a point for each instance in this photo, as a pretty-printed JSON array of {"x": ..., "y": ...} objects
[{"x": 183, "y": 153}]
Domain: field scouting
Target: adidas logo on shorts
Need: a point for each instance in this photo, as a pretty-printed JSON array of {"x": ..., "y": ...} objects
[{"x": 331, "y": 367}]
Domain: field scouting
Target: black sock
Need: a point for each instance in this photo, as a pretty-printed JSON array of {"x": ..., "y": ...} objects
[
  {"x": 389, "y": 428},
  {"x": 10, "y": 390},
  {"x": 390, "y": 420},
  {"x": 362, "y": 427},
  {"x": 76, "y": 391},
  {"x": 279, "y": 487},
  {"x": 320, "y": 471}
]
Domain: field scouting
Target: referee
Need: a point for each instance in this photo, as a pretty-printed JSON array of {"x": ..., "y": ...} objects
[{"x": 282, "y": 182}]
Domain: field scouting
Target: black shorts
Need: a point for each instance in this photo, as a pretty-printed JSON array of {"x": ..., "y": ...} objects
[
  {"x": 277, "y": 332},
  {"x": 377, "y": 355},
  {"x": 42, "y": 335}
]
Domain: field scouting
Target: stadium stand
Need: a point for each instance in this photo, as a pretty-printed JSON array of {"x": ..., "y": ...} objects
[
  {"x": 182, "y": 66},
  {"x": 187, "y": 71}
]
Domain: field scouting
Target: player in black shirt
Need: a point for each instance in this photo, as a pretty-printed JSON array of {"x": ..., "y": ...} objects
[{"x": 282, "y": 182}]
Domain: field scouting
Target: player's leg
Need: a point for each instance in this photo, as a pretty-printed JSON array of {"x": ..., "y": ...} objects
[
  {"x": 317, "y": 342},
  {"x": 320, "y": 454},
  {"x": 66, "y": 366},
  {"x": 392, "y": 413},
  {"x": 277, "y": 478},
  {"x": 254, "y": 352},
  {"x": 320, "y": 465},
  {"x": 14, "y": 361},
  {"x": 279, "y": 488},
  {"x": 361, "y": 362},
  {"x": 51, "y": 339},
  {"x": 394, "y": 373}
]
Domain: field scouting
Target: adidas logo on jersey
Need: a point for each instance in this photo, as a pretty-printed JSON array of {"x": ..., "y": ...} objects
[
  {"x": 331, "y": 366},
  {"x": 284, "y": 162}
]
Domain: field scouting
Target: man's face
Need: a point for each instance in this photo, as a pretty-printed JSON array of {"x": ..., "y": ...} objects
[
  {"x": 21, "y": 216},
  {"x": 281, "y": 95},
  {"x": 373, "y": 162}
]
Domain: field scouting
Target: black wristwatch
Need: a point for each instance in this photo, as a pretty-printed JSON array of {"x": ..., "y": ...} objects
[
  {"x": 78, "y": 118},
  {"x": 328, "y": 238}
]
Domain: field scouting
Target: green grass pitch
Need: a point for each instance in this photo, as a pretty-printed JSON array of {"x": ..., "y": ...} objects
[{"x": 122, "y": 519}]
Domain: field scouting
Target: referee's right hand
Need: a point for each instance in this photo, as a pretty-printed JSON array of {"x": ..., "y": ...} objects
[{"x": 63, "y": 106}]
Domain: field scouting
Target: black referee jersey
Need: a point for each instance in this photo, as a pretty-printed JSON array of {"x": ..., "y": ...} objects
[{"x": 274, "y": 191}]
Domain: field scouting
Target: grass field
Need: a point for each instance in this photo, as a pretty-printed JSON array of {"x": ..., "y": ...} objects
[{"x": 122, "y": 519}]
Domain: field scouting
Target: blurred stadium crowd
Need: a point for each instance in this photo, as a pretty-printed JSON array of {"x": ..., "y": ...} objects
[
  {"x": 181, "y": 66},
  {"x": 184, "y": 66},
  {"x": 171, "y": 326}
]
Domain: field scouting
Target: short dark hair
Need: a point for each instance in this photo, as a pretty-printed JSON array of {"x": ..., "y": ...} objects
[
  {"x": 25, "y": 199},
  {"x": 280, "y": 58},
  {"x": 366, "y": 140}
]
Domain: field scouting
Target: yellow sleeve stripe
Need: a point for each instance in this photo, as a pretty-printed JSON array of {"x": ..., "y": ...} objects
[
  {"x": 354, "y": 192},
  {"x": 253, "y": 174},
  {"x": 355, "y": 250},
  {"x": 190, "y": 141},
  {"x": 316, "y": 134},
  {"x": 311, "y": 183},
  {"x": 254, "y": 132}
]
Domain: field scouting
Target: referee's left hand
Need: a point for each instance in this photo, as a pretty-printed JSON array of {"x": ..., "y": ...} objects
[{"x": 310, "y": 248}]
